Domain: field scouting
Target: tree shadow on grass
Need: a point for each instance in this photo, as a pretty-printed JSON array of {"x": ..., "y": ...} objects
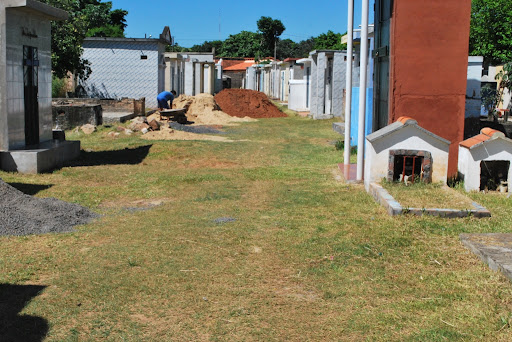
[
  {"x": 128, "y": 156},
  {"x": 30, "y": 189},
  {"x": 13, "y": 326}
]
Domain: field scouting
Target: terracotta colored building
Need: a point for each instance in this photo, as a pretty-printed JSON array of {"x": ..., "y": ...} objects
[{"x": 421, "y": 60}]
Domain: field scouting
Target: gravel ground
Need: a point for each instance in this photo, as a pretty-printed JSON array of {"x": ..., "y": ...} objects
[
  {"x": 21, "y": 214},
  {"x": 195, "y": 129}
]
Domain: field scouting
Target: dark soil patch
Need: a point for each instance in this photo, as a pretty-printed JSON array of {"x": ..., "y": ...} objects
[
  {"x": 196, "y": 129},
  {"x": 22, "y": 214},
  {"x": 245, "y": 102}
]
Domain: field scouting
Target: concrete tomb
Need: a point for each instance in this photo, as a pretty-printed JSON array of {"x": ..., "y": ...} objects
[
  {"x": 404, "y": 151},
  {"x": 484, "y": 161},
  {"x": 26, "y": 137}
]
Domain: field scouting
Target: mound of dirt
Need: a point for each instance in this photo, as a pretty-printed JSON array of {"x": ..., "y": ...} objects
[
  {"x": 245, "y": 102},
  {"x": 166, "y": 133},
  {"x": 202, "y": 110},
  {"x": 21, "y": 214}
]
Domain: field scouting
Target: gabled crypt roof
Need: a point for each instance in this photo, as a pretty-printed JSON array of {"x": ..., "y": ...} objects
[
  {"x": 399, "y": 124},
  {"x": 486, "y": 135}
]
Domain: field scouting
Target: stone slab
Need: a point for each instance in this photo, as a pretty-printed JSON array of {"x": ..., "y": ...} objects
[
  {"x": 116, "y": 117},
  {"x": 495, "y": 249}
]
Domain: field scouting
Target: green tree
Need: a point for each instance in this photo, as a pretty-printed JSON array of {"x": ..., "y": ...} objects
[
  {"x": 270, "y": 30},
  {"x": 176, "y": 48},
  {"x": 286, "y": 48},
  {"x": 86, "y": 18},
  {"x": 243, "y": 44},
  {"x": 491, "y": 31},
  {"x": 329, "y": 41},
  {"x": 208, "y": 47},
  {"x": 304, "y": 47}
]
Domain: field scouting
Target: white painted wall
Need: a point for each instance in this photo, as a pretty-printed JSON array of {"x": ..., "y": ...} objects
[
  {"x": 297, "y": 97},
  {"x": 407, "y": 138},
  {"x": 118, "y": 70},
  {"x": 491, "y": 150}
]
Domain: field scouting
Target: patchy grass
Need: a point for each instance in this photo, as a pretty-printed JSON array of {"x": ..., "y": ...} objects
[
  {"x": 284, "y": 108},
  {"x": 299, "y": 257},
  {"x": 422, "y": 195}
]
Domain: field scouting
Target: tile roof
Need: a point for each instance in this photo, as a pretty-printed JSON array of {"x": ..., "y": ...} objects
[
  {"x": 240, "y": 66},
  {"x": 485, "y": 134}
]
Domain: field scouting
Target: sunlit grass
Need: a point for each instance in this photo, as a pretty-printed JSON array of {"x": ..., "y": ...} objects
[{"x": 300, "y": 257}]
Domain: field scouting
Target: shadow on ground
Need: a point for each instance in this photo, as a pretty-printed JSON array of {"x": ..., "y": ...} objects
[
  {"x": 130, "y": 156},
  {"x": 13, "y": 326},
  {"x": 30, "y": 189}
]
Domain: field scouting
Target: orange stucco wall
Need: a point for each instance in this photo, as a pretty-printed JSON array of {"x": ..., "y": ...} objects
[{"x": 428, "y": 72}]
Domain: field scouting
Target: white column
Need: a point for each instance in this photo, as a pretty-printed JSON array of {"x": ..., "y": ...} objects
[
  {"x": 348, "y": 87},
  {"x": 362, "y": 90}
]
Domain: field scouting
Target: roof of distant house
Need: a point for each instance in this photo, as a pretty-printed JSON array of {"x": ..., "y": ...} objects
[
  {"x": 291, "y": 59},
  {"x": 240, "y": 66}
]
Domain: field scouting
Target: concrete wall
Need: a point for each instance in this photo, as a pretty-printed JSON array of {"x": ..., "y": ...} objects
[
  {"x": 118, "y": 70},
  {"x": 75, "y": 116},
  {"x": 408, "y": 138},
  {"x": 428, "y": 75},
  {"x": 327, "y": 84},
  {"x": 473, "y": 96},
  {"x": 491, "y": 150},
  {"x": 12, "y": 107}
]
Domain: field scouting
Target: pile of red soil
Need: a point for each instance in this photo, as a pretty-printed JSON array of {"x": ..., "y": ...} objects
[{"x": 245, "y": 102}]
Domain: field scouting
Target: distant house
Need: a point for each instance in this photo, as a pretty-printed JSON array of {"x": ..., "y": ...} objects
[
  {"x": 234, "y": 71},
  {"x": 126, "y": 67}
]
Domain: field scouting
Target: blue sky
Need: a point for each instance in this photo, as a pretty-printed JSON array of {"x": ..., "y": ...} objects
[{"x": 196, "y": 22}]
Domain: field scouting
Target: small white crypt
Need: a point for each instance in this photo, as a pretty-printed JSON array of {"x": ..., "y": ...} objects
[
  {"x": 484, "y": 161},
  {"x": 405, "y": 150}
]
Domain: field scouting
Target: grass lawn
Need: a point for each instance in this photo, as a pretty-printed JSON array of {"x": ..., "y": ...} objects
[
  {"x": 252, "y": 241},
  {"x": 421, "y": 195}
]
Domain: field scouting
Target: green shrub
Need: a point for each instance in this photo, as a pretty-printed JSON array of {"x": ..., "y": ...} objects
[{"x": 58, "y": 87}]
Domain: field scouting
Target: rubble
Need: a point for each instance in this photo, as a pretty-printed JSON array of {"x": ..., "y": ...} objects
[{"x": 88, "y": 129}]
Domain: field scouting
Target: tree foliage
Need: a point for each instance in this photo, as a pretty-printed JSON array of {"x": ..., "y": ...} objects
[
  {"x": 270, "y": 30},
  {"x": 261, "y": 44},
  {"x": 329, "y": 41},
  {"x": 491, "y": 31},
  {"x": 243, "y": 44},
  {"x": 87, "y": 18},
  {"x": 208, "y": 47}
]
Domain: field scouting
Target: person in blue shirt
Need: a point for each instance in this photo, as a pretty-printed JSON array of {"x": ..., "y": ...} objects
[{"x": 163, "y": 97}]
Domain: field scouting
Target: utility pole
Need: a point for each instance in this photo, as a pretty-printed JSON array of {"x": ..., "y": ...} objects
[{"x": 275, "y": 47}]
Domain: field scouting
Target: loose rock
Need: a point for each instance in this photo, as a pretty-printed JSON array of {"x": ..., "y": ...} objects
[{"x": 88, "y": 128}]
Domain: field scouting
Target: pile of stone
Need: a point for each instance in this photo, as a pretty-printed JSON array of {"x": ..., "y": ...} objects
[
  {"x": 22, "y": 214},
  {"x": 146, "y": 124}
]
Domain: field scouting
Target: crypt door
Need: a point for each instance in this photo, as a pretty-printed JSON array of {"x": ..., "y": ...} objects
[{"x": 30, "y": 80}]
